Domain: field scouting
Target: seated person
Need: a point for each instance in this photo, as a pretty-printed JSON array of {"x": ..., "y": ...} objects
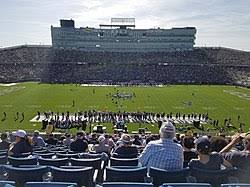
[
  {"x": 207, "y": 160},
  {"x": 125, "y": 148},
  {"x": 21, "y": 145},
  {"x": 188, "y": 149},
  {"x": 101, "y": 147},
  {"x": 4, "y": 145},
  {"x": 51, "y": 140},
  {"x": 79, "y": 144}
]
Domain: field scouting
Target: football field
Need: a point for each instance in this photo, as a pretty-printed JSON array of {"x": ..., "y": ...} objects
[{"x": 220, "y": 102}]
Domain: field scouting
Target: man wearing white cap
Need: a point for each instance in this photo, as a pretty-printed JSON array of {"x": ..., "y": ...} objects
[
  {"x": 22, "y": 143},
  {"x": 163, "y": 153}
]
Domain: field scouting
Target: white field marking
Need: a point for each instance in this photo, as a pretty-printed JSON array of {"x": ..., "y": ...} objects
[
  {"x": 34, "y": 106},
  {"x": 149, "y": 107},
  {"x": 7, "y": 85},
  {"x": 209, "y": 108},
  {"x": 239, "y": 108},
  {"x": 178, "y": 107},
  {"x": 10, "y": 90},
  {"x": 238, "y": 94},
  {"x": 64, "y": 106},
  {"x": 7, "y": 106}
]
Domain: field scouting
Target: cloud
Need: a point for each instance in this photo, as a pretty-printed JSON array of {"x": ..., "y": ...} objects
[{"x": 219, "y": 22}]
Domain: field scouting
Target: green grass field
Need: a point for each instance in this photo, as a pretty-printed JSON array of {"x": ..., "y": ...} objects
[{"x": 219, "y": 101}]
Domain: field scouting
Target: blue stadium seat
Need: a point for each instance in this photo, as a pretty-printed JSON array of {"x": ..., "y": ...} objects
[
  {"x": 126, "y": 184},
  {"x": 50, "y": 184},
  {"x": 81, "y": 176},
  {"x": 7, "y": 184},
  {"x": 22, "y": 161},
  {"x": 161, "y": 176},
  {"x": 213, "y": 177},
  {"x": 43, "y": 151},
  {"x": 21, "y": 174},
  {"x": 235, "y": 185},
  {"x": 137, "y": 174},
  {"x": 3, "y": 159},
  {"x": 53, "y": 162},
  {"x": 186, "y": 185},
  {"x": 123, "y": 161},
  {"x": 67, "y": 155},
  {"x": 3, "y": 153},
  {"x": 96, "y": 163},
  {"x": 45, "y": 155}
]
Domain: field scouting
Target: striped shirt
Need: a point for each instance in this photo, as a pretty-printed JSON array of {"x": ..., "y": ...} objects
[{"x": 163, "y": 154}]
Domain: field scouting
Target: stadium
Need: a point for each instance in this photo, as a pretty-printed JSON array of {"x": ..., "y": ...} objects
[{"x": 123, "y": 84}]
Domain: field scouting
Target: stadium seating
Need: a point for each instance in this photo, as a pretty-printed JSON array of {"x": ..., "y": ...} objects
[
  {"x": 213, "y": 177},
  {"x": 123, "y": 161},
  {"x": 53, "y": 162},
  {"x": 22, "y": 161},
  {"x": 7, "y": 184},
  {"x": 81, "y": 176},
  {"x": 185, "y": 185},
  {"x": 45, "y": 155},
  {"x": 235, "y": 185},
  {"x": 3, "y": 159},
  {"x": 63, "y": 155},
  {"x": 21, "y": 174},
  {"x": 126, "y": 184},
  {"x": 126, "y": 174},
  {"x": 49, "y": 184},
  {"x": 160, "y": 176}
]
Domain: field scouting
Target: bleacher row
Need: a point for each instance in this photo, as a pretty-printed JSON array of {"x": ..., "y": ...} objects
[{"x": 58, "y": 164}]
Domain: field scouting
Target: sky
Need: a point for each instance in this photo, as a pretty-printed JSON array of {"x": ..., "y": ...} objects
[{"x": 224, "y": 23}]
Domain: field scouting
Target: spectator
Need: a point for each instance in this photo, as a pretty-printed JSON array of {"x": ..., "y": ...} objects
[
  {"x": 109, "y": 141},
  {"x": 125, "y": 149},
  {"x": 239, "y": 159},
  {"x": 21, "y": 145},
  {"x": 217, "y": 143},
  {"x": 206, "y": 159},
  {"x": 4, "y": 145},
  {"x": 137, "y": 140},
  {"x": 79, "y": 144},
  {"x": 163, "y": 153},
  {"x": 101, "y": 147},
  {"x": 37, "y": 140},
  {"x": 68, "y": 140},
  {"x": 188, "y": 147},
  {"x": 51, "y": 140}
]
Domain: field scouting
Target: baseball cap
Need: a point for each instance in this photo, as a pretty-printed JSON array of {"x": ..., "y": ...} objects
[
  {"x": 101, "y": 138},
  {"x": 167, "y": 127},
  {"x": 19, "y": 133},
  {"x": 125, "y": 139},
  {"x": 202, "y": 144}
]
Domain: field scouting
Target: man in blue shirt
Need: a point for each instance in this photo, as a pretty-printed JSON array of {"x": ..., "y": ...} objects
[{"x": 163, "y": 153}]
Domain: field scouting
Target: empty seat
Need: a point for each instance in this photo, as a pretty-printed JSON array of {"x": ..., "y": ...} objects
[
  {"x": 7, "y": 184},
  {"x": 63, "y": 155},
  {"x": 123, "y": 161},
  {"x": 82, "y": 176},
  {"x": 3, "y": 159},
  {"x": 126, "y": 184},
  {"x": 96, "y": 163},
  {"x": 53, "y": 162},
  {"x": 21, "y": 174},
  {"x": 45, "y": 155},
  {"x": 186, "y": 185},
  {"x": 22, "y": 161},
  {"x": 161, "y": 176},
  {"x": 235, "y": 185},
  {"x": 137, "y": 174},
  {"x": 50, "y": 184}
]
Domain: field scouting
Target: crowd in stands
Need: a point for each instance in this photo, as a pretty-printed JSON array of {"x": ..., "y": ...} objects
[
  {"x": 201, "y": 65},
  {"x": 166, "y": 151}
]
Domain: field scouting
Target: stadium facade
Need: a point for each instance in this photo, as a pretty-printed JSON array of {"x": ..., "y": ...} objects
[{"x": 121, "y": 35}]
